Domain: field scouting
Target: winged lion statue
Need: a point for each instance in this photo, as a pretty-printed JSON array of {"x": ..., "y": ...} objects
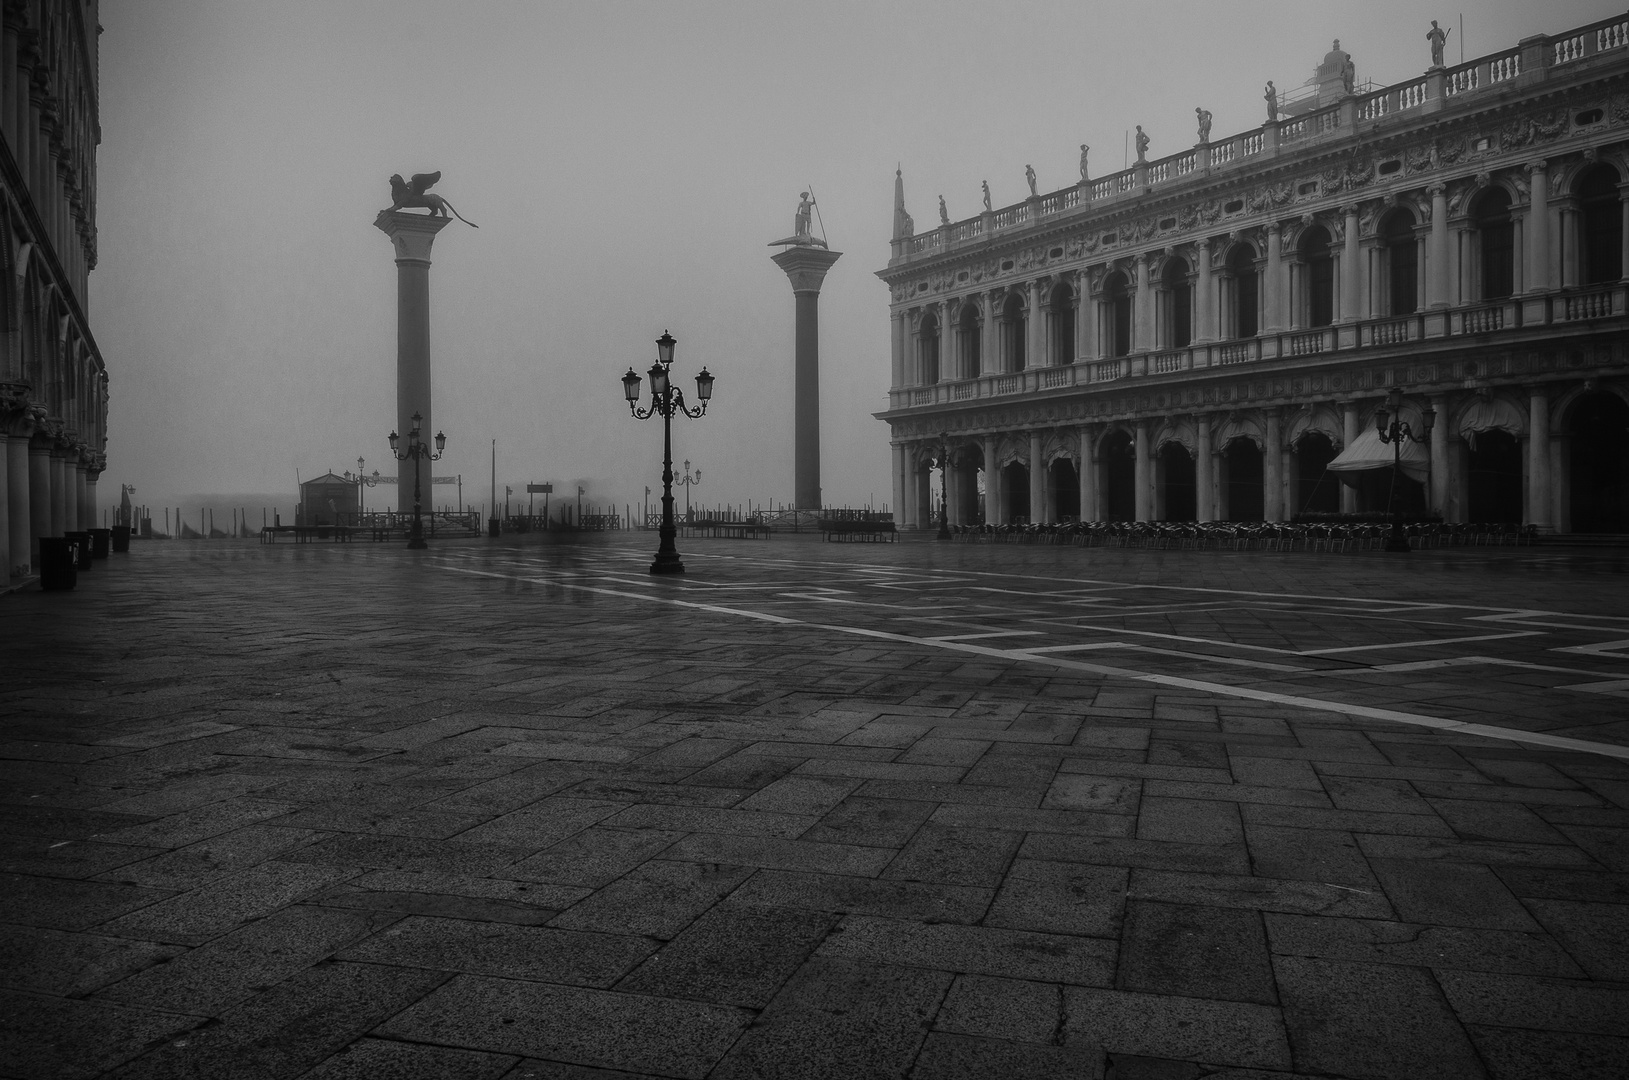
[{"x": 406, "y": 193}]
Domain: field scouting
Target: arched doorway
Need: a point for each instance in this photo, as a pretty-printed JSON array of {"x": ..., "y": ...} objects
[
  {"x": 1176, "y": 301},
  {"x": 1063, "y": 481},
  {"x": 1119, "y": 462},
  {"x": 1117, "y": 315},
  {"x": 1600, "y": 229},
  {"x": 1402, "y": 262},
  {"x": 1240, "y": 301},
  {"x": 1494, "y": 481},
  {"x": 1318, "y": 263},
  {"x": 1317, "y": 489},
  {"x": 1015, "y": 486},
  {"x": 1242, "y": 461},
  {"x": 1178, "y": 494},
  {"x": 1497, "y": 235},
  {"x": 1061, "y": 325},
  {"x": 1600, "y": 464}
]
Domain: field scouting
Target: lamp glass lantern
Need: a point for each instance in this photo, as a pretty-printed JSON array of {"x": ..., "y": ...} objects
[
  {"x": 704, "y": 386},
  {"x": 664, "y": 348},
  {"x": 630, "y": 386},
  {"x": 658, "y": 381}
]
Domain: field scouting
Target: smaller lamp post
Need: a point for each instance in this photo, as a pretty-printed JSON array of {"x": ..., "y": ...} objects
[
  {"x": 688, "y": 481},
  {"x": 363, "y": 482},
  {"x": 1391, "y": 428},
  {"x": 665, "y": 401},
  {"x": 944, "y": 487},
  {"x": 419, "y": 451}
]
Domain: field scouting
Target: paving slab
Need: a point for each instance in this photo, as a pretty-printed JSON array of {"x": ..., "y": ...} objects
[{"x": 713, "y": 826}]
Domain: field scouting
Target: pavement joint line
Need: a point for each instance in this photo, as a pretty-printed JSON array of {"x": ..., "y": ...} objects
[
  {"x": 1436, "y": 723},
  {"x": 1418, "y": 644}
]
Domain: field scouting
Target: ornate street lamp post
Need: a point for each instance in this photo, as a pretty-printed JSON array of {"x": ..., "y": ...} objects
[
  {"x": 944, "y": 487},
  {"x": 687, "y": 480},
  {"x": 1392, "y": 429},
  {"x": 666, "y": 400},
  {"x": 418, "y": 451},
  {"x": 363, "y": 482}
]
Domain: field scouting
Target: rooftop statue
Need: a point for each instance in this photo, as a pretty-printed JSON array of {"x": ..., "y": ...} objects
[
  {"x": 1142, "y": 146},
  {"x": 944, "y": 215},
  {"x": 1084, "y": 150},
  {"x": 1438, "y": 37},
  {"x": 405, "y": 194},
  {"x": 1204, "y": 124},
  {"x": 1029, "y": 177},
  {"x": 986, "y": 194},
  {"x": 1272, "y": 100}
]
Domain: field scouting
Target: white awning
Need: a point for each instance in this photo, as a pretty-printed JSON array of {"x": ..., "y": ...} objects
[{"x": 1368, "y": 452}]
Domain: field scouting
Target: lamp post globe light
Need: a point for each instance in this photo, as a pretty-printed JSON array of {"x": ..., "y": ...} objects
[
  {"x": 1389, "y": 425},
  {"x": 419, "y": 451},
  {"x": 666, "y": 400}
]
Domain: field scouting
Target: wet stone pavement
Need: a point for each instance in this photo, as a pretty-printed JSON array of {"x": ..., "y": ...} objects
[{"x": 508, "y": 810}]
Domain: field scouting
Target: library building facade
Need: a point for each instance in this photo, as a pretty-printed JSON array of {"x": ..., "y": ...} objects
[{"x": 1212, "y": 336}]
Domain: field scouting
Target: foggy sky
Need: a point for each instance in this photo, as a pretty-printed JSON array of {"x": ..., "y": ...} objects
[{"x": 627, "y": 164}]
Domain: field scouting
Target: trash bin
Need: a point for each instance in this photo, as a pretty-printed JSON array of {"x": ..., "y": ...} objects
[
  {"x": 82, "y": 548},
  {"x": 121, "y": 538},
  {"x": 99, "y": 542},
  {"x": 57, "y": 563}
]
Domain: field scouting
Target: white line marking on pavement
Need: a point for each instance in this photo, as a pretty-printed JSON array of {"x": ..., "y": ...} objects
[
  {"x": 1367, "y": 712},
  {"x": 1418, "y": 644}
]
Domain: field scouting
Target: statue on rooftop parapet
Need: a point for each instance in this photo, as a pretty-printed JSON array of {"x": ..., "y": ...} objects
[
  {"x": 986, "y": 195},
  {"x": 1029, "y": 177},
  {"x": 944, "y": 215},
  {"x": 404, "y": 193},
  {"x": 1272, "y": 101},
  {"x": 1142, "y": 146},
  {"x": 1438, "y": 37},
  {"x": 1204, "y": 124},
  {"x": 1084, "y": 150}
]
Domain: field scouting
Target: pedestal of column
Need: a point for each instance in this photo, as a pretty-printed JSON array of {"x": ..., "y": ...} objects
[
  {"x": 805, "y": 266},
  {"x": 411, "y": 236}
]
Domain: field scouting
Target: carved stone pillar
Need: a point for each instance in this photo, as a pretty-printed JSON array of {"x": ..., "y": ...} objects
[
  {"x": 1349, "y": 433},
  {"x": 1143, "y": 475},
  {"x": 1204, "y": 473},
  {"x": 1536, "y": 229},
  {"x": 1272, "y": 469},
  {"x": 1034, "y": 328},
  {"x": 39, "y": 494},
  {"x": 1273, "y": 289},
  {"x": 1351, "y": 273},
  {"x": 991, "y": 361},
  {"x": 1539, "y": 496},
  {"x": 1037, "y": 479},
  {"x": 1087, "y": 476},
  {"x": 992, "y": 481},
  {"x": 900, "y": 458},
  {"x": 1436, "y": 255},
  {"x": 953, "y": 489},
  {"x": 1206, "y": 329},
  {"x": 1086, "y": 316},
  {"x": 1440, "y": 476},
  {"x": 1142, "y": 334},
  {"x": 900, "y": 323}
]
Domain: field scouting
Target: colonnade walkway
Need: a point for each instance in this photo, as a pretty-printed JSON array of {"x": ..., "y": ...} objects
[{"x": 517, "y": 809}]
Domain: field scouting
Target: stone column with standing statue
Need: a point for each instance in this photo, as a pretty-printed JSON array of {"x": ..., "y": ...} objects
[{"x": 805, "y": 260}]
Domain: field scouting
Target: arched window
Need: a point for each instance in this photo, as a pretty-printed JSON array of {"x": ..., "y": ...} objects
[
  {"x": 1012, "y": 333},
  {"x": 1061, "y": 324},
  {"x": 1600, "y": 231},
  {"x": 1402, "y": 263},
  {"x": 1319, "y": 263},
  {"x": 1176, "y": 305},
  {"x": 1240, "y": 283},
  {"x": 1497, "y": 240},
  {"x": 968, "y": 342},
  {"x": 927, "y": 351},
  {"x": 1117, "y": 314}
]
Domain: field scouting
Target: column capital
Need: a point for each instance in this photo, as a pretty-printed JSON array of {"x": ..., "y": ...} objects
[
  {"x": 410, "y": 234},
  {"x": 806, "y": 266},
  {"x": 1536, "y": 166}
]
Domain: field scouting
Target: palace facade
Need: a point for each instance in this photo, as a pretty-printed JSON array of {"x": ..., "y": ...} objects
[
  {"x": 53, "y": 384},
  {"x": 1202, "y": 336}
]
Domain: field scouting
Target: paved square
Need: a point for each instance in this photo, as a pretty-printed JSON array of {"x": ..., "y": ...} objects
[{"x": 514, "y": 809}]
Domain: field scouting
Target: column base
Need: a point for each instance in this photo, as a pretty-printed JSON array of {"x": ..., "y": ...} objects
[{"x": 667, "y": 563}]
